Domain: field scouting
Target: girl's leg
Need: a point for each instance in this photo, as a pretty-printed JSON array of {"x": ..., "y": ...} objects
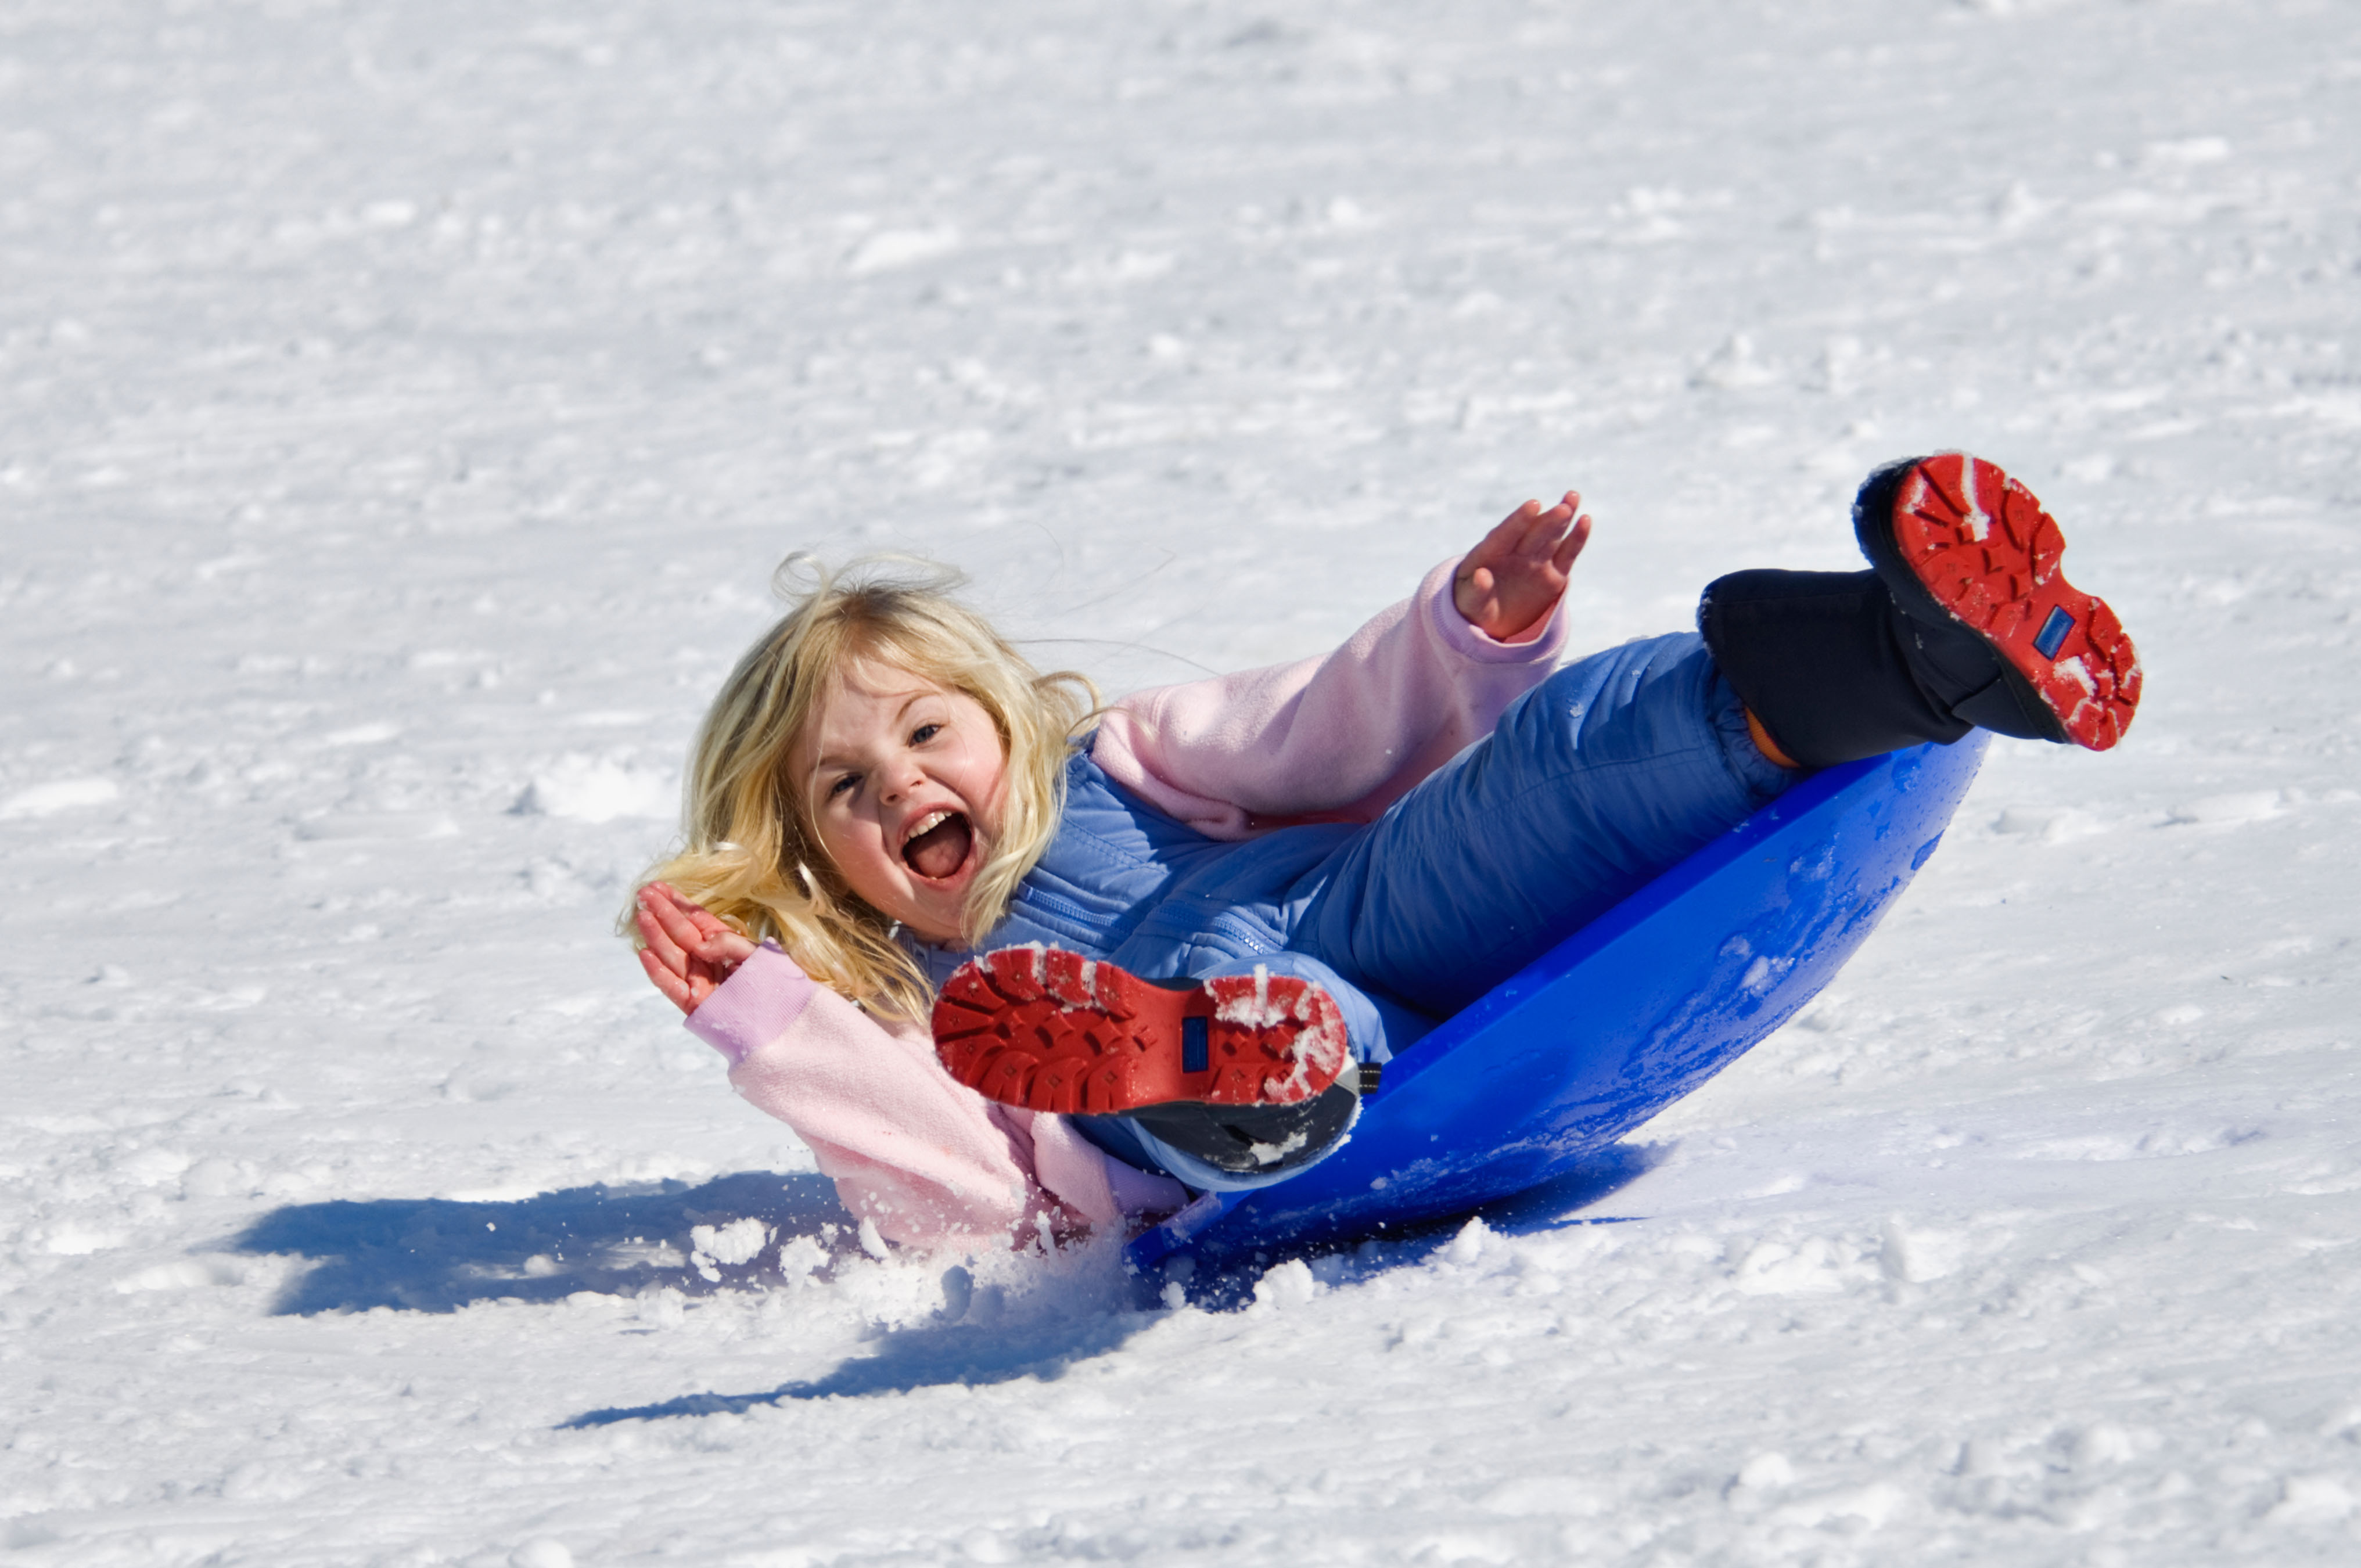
[
  {"x": 1244, "y": 1073},
  {"x": 1593, "y": 782},
  {"x": 1964, "y": 621},
  {"x": 1237, "y": 1149}
]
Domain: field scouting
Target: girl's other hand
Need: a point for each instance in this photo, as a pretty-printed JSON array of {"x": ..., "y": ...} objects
[
  {"x": 688, "y": 952},
  {"x": 1513, "y": 578}
]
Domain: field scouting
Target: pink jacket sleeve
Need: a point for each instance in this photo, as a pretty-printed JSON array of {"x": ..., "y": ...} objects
[
  {"x": 1338, "y": 738},
  {"x": 929, "y": 1161}
]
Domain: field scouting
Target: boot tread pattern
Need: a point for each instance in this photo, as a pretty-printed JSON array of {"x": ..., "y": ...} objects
[
  {"x": 1989, "y": 554},
  {"x": 1050, "y": 1030}
]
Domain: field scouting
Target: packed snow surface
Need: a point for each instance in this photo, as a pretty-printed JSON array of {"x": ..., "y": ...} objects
[{"x": 404, "y": 404}]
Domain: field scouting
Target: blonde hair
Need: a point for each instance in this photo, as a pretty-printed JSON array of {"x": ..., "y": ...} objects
[{"x": 750, "y": 855}]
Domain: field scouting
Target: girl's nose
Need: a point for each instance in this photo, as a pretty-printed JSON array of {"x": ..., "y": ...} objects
[{"x": 904, "y": 776}]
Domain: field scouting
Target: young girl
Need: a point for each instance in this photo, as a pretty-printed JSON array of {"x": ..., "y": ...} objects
[{"x": 1165, "y": 942}]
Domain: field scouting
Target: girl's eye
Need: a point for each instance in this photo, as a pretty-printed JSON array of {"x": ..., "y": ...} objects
[
  {"x": 843, "y": 786},
  {"x": 924, "y": 733}
]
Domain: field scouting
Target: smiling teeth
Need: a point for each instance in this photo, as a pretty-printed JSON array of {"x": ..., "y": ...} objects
[{"x": 927, "y": 824}]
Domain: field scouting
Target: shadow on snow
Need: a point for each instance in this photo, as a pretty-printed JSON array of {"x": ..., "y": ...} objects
[
  {"x": 960, "y": 1349},
  {"x": 936, "y": 1356},
  {"x": 435, "y": 1254}
]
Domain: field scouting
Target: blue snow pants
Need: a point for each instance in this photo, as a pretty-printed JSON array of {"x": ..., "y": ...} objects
[{"x": 1606, "y": 774}]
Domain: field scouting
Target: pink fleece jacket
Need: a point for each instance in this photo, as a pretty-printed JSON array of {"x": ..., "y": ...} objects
[{"x": 1338, "y": 738}]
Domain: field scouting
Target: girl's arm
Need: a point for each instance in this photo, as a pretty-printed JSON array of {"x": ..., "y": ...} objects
[
  {"x": 929, "y": 1162},
  {"x": 1341, "y": 736}
]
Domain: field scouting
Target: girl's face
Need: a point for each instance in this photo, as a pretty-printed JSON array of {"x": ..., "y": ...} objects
[{"x": 901, "y": 779}]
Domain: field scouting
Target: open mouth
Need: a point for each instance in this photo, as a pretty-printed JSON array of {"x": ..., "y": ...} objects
[{"x": 939, "y": 846}]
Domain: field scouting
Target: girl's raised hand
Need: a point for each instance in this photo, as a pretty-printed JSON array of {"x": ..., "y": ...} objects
[
  {"x": 687, "y": 952},
  {"x": 1514, "y": 576}
]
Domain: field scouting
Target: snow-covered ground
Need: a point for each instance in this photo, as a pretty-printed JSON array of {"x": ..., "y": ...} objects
[{"x": 403, "y": 404}]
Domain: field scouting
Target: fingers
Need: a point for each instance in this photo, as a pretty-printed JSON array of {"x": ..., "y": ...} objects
[
  {"x": 721, "y": 943},
  {"x": 1531, "y": 533},
  {"x": 665, "y": 894},
  {"x": 690, "y": 928},
  {"x": 1558, "y": 534},
  {"x": 698, "y": 917},
  {"x": 675, "y": 987},
  {"x": 717, "y": 943},
  {"x": 1506, "y": 538},
  {"x": 660, "y": 943},
  {"x": 671, "y": 897},
  {"x": 1561, "y": 558},
  {"x": 668, "y": 930},
  {"x": 1539, "y": 531}
]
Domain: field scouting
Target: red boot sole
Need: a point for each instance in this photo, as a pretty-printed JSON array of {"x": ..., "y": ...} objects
[
  {"x": 1989, "y": 554},
  {"x": 1050, "y": 1030}
]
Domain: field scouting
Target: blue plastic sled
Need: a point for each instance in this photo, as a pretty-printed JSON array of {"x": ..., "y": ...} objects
[{"x": 1617, "y": 1020}]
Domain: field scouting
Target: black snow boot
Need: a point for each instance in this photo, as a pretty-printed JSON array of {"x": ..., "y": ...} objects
[
  {"x": 1268, "y": 1140},
  {"x": 1965, "y": 622}
]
